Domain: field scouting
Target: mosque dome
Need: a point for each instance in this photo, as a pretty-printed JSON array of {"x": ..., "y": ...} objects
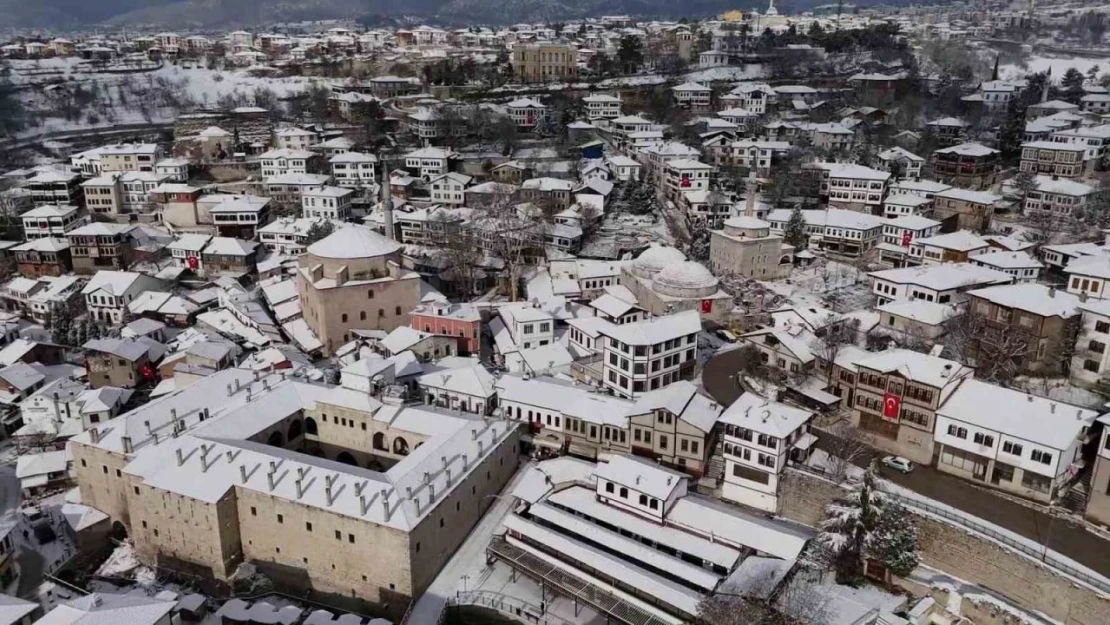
[
  {"x": 686, "y": 280},
  {"x": 656, "y": 258}
]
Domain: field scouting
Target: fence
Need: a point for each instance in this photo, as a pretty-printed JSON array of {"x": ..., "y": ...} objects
[
  {"x": 1039, "y": 553},
  {"x": 507, "y": 605},
  {"x": 1042, "y": 553}
]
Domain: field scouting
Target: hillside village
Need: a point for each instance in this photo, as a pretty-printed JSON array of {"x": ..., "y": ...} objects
[{"x": 764, "y": 318}]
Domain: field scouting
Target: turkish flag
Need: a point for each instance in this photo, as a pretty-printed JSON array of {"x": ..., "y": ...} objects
[
  {"x": 707, "y": 306},
  {"x": 892, "y": 405},
  {"x": 906, "y": 237},
  {"x": 193, "y": 262},
  {"x": 147, "y": 371},
  {"x": 685, "y": 180}
]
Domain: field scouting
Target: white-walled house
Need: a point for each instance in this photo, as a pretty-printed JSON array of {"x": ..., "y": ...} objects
[
  {"x": 758, "y": 437},
  {"x": 327, "y": 202},
  {"x": 639, "y": 486},
  {"x": 942, "y": 284},
  {"x": 108, "y": 293},
  {"x": 1024, "y": 444},
  {"x": 1090, "y": 363}
]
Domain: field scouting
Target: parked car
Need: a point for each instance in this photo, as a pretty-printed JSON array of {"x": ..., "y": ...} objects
[{"x": 898, "y": 463}]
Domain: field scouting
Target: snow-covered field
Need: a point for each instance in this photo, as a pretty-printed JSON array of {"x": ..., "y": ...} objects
[
  {"x": 1058, "y": 65},
  {"x": 167, "y": 91}
]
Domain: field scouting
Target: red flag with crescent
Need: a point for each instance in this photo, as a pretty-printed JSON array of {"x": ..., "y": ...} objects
[{"x": 892, "y": 405}]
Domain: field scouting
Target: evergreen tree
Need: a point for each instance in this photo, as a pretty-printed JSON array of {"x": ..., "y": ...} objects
[
  {"x": 1072, "y": 82},
  {"x": 697, "y": 247},
  {"x": 847, "y": 533},
  {"x": 868, "y": 524},
  {"x": 318, "y": 230},
  {"x": 60, "y": 327},
  {"x": 630, "y": 54},
  {"x": 795, "y": 231},
  {"x": 896, "y": 540}
]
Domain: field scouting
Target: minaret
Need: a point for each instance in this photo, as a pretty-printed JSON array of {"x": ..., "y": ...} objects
[
  {"x": 1047, "y": 85},
  {"x": 386, "y": 199},
  {"x": 749, "y": 204},
  {"x": 994, "y": 74},
  {"x": 771, "y": 10}
]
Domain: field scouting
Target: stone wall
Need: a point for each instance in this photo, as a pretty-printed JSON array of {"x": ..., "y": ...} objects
[{"x": 964, "y": 555}]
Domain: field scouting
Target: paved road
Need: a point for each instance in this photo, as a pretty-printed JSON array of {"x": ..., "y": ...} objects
[
  {"x": 1060, "y": 534},
  {"x": 718, "y": 376},
  {"x": 469, "y": 557},
  {"x": 10, "y": 495}
]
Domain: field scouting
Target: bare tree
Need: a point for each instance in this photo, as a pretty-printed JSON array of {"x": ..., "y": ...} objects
[
  {"x": 768, "y": 599},
  {"x": 832, "y": 338},
  {"x": 845, "y": 446},
  {"x": 997, "y": 351}
]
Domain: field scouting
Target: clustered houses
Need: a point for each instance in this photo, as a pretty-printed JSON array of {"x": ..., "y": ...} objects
[{"x": 329, "y": 345}]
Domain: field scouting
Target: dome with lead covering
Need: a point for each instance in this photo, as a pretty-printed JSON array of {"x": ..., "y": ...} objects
[
  {"x": 686, "y": 280},
  {"x": 656, "y": 258}
]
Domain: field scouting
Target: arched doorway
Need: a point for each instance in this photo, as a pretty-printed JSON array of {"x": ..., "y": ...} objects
[
  {"x": 380, "y": 442},
  {"x": 310, "y": 426},
  {"x": 295, "y": 429},
  {"x": 346, "y": 458},
  {"x": 400, "y": 446},
  {"x": 276, "y": 439},
  {"x": 119, "y": 531}
]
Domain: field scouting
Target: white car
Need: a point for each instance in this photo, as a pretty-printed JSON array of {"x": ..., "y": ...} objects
[{"x": 898, "y": 463}]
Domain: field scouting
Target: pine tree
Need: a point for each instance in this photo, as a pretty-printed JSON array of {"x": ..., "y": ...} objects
[
  {"x": 60, "y": 327},
  {"x": 697, "y": 247},
  {"x": 896, "y": 540},
  {"x": 868, "y": 524},
  {"x": 795, "y": 231},
  {"x": 847, "y": 533},
  {"x": 318, "y": 230}
]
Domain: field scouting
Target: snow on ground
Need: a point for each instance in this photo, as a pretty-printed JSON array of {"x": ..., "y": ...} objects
[
  {"x": 949, "y": 513},
  {"x": 959, "y": 589},
  {"x": 747, "y": 72},
  {"x": 1058, "y": 65},
  {"x": 124, "y": 563},
  {"x": 1061, "y": 390},
  {"x": 812, "y": 286}
]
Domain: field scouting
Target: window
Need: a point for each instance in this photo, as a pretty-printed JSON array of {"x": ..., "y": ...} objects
[
  {"x": 983, "y": 439},
  {"x": 1042, "y": 457},
  {"x": 608, "y": 487},
  {"x": 1011, "y": 448},
  {"x": 308, "y": 526},
  {"x": 624, "y": 493},
  {"x": 643, "y": 500},
  {"x": 958, "y": 432},
  {"x": 281, "y": 519},
  {"x": 1103, "y": 327}
]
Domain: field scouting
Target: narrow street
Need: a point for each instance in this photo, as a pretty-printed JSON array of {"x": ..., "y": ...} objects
[{"x": 1060, "y": 534}]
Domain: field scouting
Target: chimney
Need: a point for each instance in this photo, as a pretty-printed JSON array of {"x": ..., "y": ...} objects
[
  {"x": 180, "y": 457},
  {"x": 237, "y": 385},
  {"x": 1052, "y": 291},
  {"x": 328, "y": 493},
  {"x": 243, "y": 472},
  {"x": 127, "y": 448},
  {"x": 385, "y": 504},
  {"x": 362, "y": 504},
  {"x": 341, "y": 275},
  {"x": 229, "y": 390},
  {"x": 94, "y": 435}
]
